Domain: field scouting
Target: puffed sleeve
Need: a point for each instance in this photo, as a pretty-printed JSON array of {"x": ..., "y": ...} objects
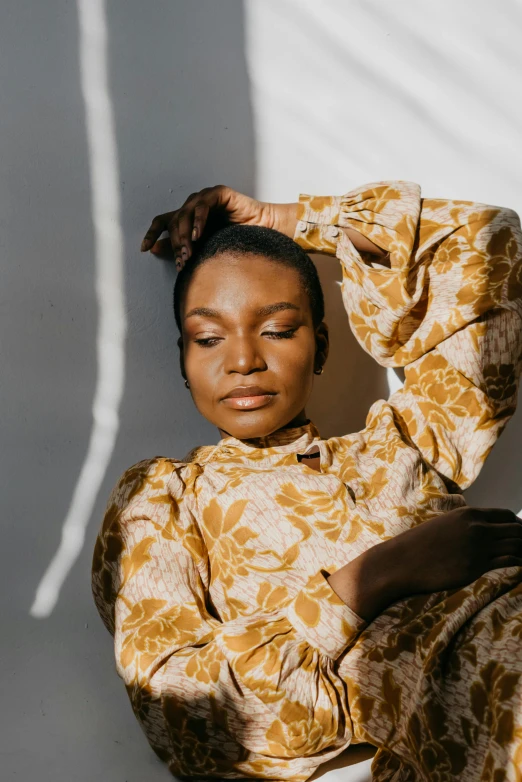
[
  {"x": 448, "y": 309},
  {"x": 256, "y": 696}
]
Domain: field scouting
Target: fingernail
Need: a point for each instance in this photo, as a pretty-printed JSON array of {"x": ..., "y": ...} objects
[
  {"x": 184, "y": 253},
  {"x": 194, "y": 233},
  {"x": 144, "y": 245}
]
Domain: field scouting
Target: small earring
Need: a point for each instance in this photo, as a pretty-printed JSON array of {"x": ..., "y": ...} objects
[
  {"x": 320, "y": 371},
  {"x": 187, "y": 384}
]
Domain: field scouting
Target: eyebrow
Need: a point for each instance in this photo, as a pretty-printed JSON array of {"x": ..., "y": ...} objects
[{"x": 268, "y": 309}]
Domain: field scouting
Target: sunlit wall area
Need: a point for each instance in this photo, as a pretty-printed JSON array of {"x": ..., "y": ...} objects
[{"x": 345, "y": 93}]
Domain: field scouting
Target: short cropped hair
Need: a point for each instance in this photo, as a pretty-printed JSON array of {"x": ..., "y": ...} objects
[{"x": 241, "y": 240}]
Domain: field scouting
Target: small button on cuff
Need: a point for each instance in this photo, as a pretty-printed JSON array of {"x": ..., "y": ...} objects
[
  {"x": 334, "y": 231},
  {"x": 302, "y": 226}
]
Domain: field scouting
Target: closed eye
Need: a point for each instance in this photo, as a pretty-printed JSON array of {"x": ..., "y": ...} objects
[
  {"x": 208, "y": 342},
  {"x": 281, "y": 334}
]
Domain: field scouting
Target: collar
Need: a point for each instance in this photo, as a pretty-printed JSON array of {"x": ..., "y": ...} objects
[{"x": 295, "y": 439}]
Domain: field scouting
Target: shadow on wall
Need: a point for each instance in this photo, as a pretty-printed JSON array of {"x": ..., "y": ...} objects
[
  {"x": 352, "y": 380},
  {"x": 183, "y": 121}
]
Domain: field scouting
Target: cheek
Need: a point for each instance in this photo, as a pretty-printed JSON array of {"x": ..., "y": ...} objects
[
  {"x": 294, "y": 361},
  {"x": 204, "y": 367}
]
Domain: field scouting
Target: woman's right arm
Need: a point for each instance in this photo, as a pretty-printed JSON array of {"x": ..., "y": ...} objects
[
  {"x": 446, "y": 552},
  {"x": 254, "y": 696}
]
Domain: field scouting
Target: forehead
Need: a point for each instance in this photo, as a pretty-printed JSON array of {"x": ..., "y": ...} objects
[{"x": 238, "y": 286}]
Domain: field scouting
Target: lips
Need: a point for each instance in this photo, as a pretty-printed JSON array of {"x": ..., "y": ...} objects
[
  {"x": 247, "y": 398},
  {"x": 248, "y": 391}
]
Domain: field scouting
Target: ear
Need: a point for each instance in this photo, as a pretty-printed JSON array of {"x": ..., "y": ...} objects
[
  {"x": 181, "y": 358},
  {"x": 322, "y": 342}
]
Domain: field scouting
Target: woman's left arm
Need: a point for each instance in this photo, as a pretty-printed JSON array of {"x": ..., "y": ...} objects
[
  {"x": 216, "y": 206},
  {"x": 448, "y": 310},
  {"x": 286, "y": 218}
]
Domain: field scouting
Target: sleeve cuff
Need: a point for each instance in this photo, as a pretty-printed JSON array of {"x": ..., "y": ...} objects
[
  {"x": 321, "y": 617},
  {"x": 387, "y": 213},
  {"x": 317, "y": 223}
]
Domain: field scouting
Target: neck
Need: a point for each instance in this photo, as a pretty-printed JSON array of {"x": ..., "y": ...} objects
[{"x": 299, "y": 420}]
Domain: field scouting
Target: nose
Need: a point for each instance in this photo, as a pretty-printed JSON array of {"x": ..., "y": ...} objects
[{"x": 244, "y": 355}]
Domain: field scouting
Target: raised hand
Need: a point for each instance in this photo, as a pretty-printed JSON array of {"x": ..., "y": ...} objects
[
  {"x": 214, "y": 207},
  {"x": 210, "y": 208}
]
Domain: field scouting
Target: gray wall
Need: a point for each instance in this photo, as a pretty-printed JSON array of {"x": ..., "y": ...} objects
[{"x": 179, "y": 87}]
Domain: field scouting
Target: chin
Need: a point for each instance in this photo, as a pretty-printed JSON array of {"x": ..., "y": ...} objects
[{"x": 247, "y": 427}]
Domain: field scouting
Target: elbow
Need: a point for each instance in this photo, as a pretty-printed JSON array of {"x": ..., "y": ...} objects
[{"x": 510, "y": 216}]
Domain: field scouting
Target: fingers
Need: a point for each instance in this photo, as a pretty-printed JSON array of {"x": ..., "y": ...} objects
[
  {"x": 183, "y": 248},
  {"x": 185, "y": 226},
  {"x": 179, "y": 226},
  {"x": 162, "y": 249},
  {"x": 507, "y": 530},
  {"x": 201, "y": 211},
  {"x": 173, "y": 229},
  {"x": 506, "y": 546},
  {"x": 498, "y": 515},
  {"x": 506, "y": 561},
  {"x": 158, "y": 225},
  {"x": 188, "y": 223}
]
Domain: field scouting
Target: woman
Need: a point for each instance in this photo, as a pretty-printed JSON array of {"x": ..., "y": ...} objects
[{"x": 274, "y": 598}]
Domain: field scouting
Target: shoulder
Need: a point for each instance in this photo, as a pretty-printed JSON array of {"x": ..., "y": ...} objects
[
  {"x": 161, "y": 475},
  {"x": 151, "y": 477},
  {"x": 200, "y": 454}
]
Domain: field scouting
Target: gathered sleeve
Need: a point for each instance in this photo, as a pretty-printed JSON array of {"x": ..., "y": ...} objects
[
  {"x": 447, "y": 308},
  {"x": 257, "y": 695}
]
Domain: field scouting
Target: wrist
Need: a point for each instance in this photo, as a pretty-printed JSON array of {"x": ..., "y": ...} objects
[
  {"x": 283, "y": 218},
  {"x": 370, "y": 582},
  {"x": 406, "y": 577}
]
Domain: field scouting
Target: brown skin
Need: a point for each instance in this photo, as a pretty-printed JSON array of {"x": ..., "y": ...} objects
[
  {"x": 446, "y": 552},
  {"x": 242, "y": 348}
]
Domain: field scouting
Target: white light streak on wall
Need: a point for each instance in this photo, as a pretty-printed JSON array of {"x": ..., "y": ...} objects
[{"x": 105, "y": 205}]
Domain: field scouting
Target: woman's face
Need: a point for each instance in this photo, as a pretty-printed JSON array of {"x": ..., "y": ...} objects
[{"x": 246, "y": 321}]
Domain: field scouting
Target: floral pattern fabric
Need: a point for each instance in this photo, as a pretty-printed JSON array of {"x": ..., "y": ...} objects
[{"x": 210, "y": 572}]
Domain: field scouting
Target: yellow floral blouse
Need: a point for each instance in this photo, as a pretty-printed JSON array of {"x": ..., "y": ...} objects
[{"x": 211, "y": 572}]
